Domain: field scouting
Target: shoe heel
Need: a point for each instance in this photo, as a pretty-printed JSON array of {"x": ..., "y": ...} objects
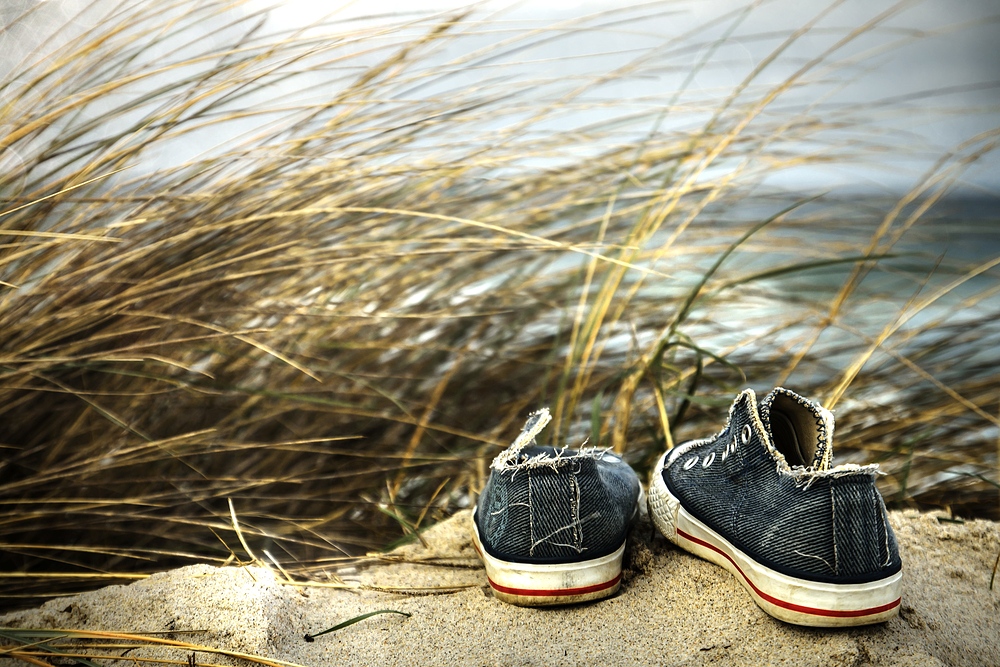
[{"x": 546, "y": 584}]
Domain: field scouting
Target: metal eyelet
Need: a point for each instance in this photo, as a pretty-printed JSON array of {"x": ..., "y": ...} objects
[
  {"x": 745, "y": 434},
  {"x": 708, "y": 460},
  {"x": 690, "y": 462}
]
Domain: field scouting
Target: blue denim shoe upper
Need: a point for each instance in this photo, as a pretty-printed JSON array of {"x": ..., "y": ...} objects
[
  {"x": 766, "y": 483},
  {"x": 548, "y": 505}
]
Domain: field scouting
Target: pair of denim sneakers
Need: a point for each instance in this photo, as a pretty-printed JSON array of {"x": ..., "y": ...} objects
[{"x": 810, "y": 542}]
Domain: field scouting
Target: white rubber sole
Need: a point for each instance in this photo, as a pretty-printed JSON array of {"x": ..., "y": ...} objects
[
  {"x": 542, "y": 585},
  {"x": 786, "y": 598}
]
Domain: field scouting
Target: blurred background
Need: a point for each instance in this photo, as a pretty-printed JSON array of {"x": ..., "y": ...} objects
[{"x": 309, "y": 271}]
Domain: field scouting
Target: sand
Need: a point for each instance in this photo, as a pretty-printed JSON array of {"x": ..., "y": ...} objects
[{"x": 673, "y": 609}]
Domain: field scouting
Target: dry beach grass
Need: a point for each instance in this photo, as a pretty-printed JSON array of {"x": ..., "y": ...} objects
[{"x": 316, "y": 282}]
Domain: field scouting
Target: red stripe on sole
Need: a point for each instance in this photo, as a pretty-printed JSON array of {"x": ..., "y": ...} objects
[
  {"x": 836, "y": 613},
  {"x": 555, "y": 592}
]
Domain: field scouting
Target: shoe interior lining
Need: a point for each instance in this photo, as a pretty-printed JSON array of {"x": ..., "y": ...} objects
[{"x": 795, "y": 434}]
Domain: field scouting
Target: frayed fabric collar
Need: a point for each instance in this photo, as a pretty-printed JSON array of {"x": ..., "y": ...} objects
[{"x": 510, "y": 458}]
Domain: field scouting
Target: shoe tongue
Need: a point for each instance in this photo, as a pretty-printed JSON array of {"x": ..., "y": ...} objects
[{"x": 800, "y": 429}]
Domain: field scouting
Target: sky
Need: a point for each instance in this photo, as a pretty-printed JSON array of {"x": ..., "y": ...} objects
[
  {"x": 947, "y": 83},
  {"x": 943, "y": 88}
]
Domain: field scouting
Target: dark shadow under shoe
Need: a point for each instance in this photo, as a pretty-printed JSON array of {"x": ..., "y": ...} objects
[
  {"x": 551, "y": 524},
  {"x": 810, "y": 542}
]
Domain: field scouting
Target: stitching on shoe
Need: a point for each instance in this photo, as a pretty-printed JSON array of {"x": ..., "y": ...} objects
[
  {"x": 531, "y": 518},
  {"x": 575, "y": 547},
  {"x": 882, "y": 519},
  {"x": 575, "y": 504},
  {"x": 833, "y": 530},
  {"x": 819, "y": 558},
  {"x": 576, "y": 524}
]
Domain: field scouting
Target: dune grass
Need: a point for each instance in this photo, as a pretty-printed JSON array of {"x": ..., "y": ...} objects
[
  {"x": 316, "y": 282},
  {"x": 87, "y": 647}
]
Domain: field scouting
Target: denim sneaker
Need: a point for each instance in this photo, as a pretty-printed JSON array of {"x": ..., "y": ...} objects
[
  {"x": 550, "y": 524},
  {"x": 810, "y": 542}
]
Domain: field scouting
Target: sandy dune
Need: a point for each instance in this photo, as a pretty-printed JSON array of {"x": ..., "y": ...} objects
[{"x": 673, "y": 610}]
